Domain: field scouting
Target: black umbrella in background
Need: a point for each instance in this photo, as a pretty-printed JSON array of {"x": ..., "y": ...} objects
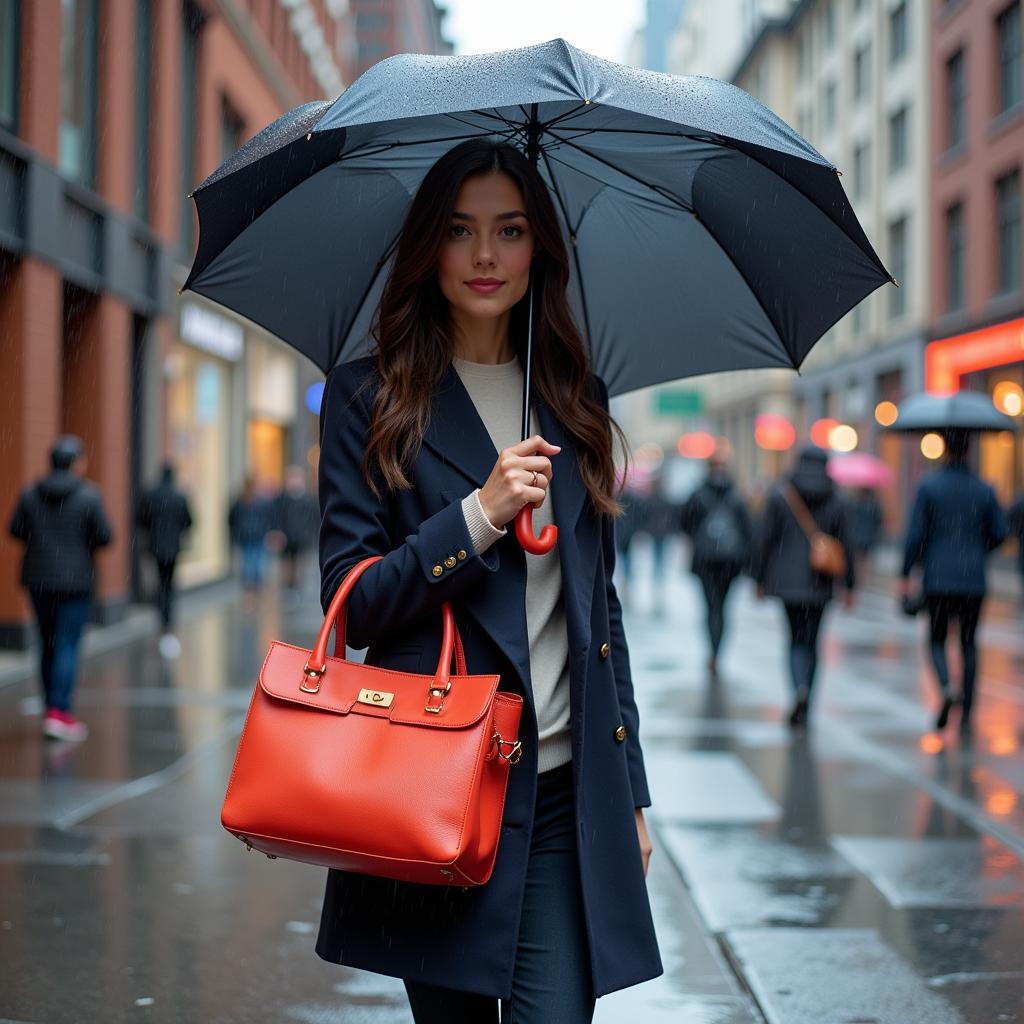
[
  {"x": 704, "y": 233},
  {"x": 964, "y": 410}
]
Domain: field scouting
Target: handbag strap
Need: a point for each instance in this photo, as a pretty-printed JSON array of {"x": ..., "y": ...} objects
[
  {"x": 802, "y": 513},
  {"x": 451, "y": 641}
]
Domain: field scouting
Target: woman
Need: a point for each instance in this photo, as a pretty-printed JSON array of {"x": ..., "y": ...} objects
[
  {"x": 782, "y": 565},
  {"x": 420, "y": 462},
  {"x": 955, "y": 523}
]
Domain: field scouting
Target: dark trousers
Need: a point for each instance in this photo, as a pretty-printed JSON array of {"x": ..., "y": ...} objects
[
  {"x": 804, "y": 626},
  {"x": 716, "y": 586},
  {"x": 165, "y": 591},
  {"x": 61, "y": 620},
  {"x": 551, "y": 982},
  {"x": 966, "y": 609}
]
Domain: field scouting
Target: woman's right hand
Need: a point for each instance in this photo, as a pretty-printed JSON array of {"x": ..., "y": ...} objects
[{"x": 509, "y": 487}]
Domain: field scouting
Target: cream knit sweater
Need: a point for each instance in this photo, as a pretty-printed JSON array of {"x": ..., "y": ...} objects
[{"x": 497, "y": 393}]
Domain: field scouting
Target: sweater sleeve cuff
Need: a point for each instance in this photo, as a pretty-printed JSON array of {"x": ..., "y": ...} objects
[{"x": 481, "y": 532}]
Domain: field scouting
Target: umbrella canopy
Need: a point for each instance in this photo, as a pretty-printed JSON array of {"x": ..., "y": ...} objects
[
  {"x": 859, "y": 469},
  {"x": 704, "y": 233},
  {"x": 964, "y": 410}
]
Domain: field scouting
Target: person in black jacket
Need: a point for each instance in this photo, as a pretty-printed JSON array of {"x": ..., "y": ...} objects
[
  {"x": 295, "y": 516},
  {"x": 249, "y": 522},
  {"x": 164, "y": 514},
  {"x": 956, "y": 521},
  {"x": 62, "y": 522},
  {"x": 782, "y": 564},
  {"x": 716, "y": 520}
]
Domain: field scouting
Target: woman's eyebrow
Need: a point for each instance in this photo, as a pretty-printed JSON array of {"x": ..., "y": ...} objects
[{"x": 501, "y": 216}]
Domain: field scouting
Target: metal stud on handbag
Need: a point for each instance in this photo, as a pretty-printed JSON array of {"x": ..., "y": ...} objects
[{"x": 371, "y": 770}]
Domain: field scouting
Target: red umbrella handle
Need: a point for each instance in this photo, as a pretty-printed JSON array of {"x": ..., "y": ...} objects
[{"x": 524, "y": 532}]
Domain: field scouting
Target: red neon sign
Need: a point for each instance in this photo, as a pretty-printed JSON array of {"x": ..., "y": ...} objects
[{"x": 947, "y": 360}]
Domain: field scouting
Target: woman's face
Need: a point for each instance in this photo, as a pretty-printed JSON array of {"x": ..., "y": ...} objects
[{"x": 484, "y": 265}]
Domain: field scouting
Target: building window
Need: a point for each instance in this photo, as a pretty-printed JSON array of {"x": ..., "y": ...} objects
[
  {"x": 956, "y": 99},
  {"x": 861, "y": 170},
  {"x": 830, "y": 24},
  {"x": 232, "y": 130},
  {"x": 830, "y": 103},
  {"x": 1009, "y": 35},
  {"x": 9, "y": 35},
  {"x": 191, "y": 25},
  {"x": 955, "y": 251},
  {"x": 78, "y": 49},
  {"x": 898, "y": 266},
  {"x": 1008, "y": 216},
  {"x": 899, "y": 139},
  {"x": 861, "y": 71},
  {"x": 803, "y": 56},
  {"x": 143, "y": 38},
  {"x": 898, "y": 32}
]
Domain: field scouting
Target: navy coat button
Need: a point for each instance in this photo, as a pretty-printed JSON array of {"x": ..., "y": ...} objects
[
  {"x": 620, "y": 733},
  {"x": 450, "y": 562},
  {"x": 437, "y": 570},
  {"x": 462, "y": 555},
  {"x": 604, "y": 651}
]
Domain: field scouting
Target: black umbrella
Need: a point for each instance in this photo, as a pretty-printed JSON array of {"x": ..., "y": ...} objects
[
  {"x": 964, "y": 410},
  {"x": 704, "y": 233}
]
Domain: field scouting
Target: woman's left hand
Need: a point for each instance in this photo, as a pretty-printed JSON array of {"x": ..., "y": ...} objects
[{"x": 645, "y": 839}]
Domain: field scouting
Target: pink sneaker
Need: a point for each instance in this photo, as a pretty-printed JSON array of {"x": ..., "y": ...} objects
[{"x": 59, "y": 725}]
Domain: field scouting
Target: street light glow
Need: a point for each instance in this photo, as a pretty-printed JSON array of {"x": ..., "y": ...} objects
[
  {"x": 842, "y": 438},
  {"x": 885, "y": 413},
  {"x": 932, "y": 446}
]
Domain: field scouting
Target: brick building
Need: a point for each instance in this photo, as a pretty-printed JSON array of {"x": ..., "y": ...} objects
[{"x": 110, "y": 112}]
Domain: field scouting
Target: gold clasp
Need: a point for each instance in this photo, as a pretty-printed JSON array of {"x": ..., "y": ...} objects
[
  {"x": 434, "y": 693},
  {"x": 376, "y": 698},
  {"x": 312, "y": 673},
  {"x": 514, "y": 754}
]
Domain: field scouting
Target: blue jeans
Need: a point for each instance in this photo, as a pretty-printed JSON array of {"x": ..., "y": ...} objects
[
  {"x": 252, "y": 563},
  {"x": 61, "y": 619},
  {"x": 551, "y": 981}
]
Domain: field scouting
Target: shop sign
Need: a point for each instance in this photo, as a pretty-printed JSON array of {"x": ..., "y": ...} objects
[
  {"x": 949, "y": 359},
  {"x": 211, "y": 332},
  {"x": 678, "y": 402}
]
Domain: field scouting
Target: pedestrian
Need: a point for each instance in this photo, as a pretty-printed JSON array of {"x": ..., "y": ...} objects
[
  {"x": 627, "y": 526},
  {"x": 1017, "y": 531},
  {"x": 62, "y": 522},
  {"x": 295, "y": 517},
  {"x": 716, "y": 519},
  {"x": 805, "y": 506},
  {"x": 955, "y": 522},
  {"x": 164, "y": 514},
  {"x": 249, "y": 521},
  {"x": 660, "y": 520},
  {"x": 565, "y": 916},
  {"x": 866, "y": 523}
]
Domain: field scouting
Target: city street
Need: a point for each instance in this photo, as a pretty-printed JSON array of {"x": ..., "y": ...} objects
[{"x": 866, "y": 873}]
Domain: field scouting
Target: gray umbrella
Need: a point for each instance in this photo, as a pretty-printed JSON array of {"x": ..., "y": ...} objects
[
  {"x": 964, "y": 410},
  {"x": 704, "y": 233}
]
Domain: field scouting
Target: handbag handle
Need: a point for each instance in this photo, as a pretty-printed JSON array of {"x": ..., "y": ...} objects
[{"x": 451, "y": 640}]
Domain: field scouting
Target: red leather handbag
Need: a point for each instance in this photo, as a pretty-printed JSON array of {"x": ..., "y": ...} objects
[{"x": 366, "y": 769}]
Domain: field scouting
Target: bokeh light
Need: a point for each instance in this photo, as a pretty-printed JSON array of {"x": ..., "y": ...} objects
[
  {"x": 843, "y": 438},
  {"x": 821, "y": 429},
  {"x": 1008, "y": 397},
  {"x": 932, "y": 446},
  {"x": 649, "y": 456},
  {"x": 697, "y": 444},
  {"x": 885, "y": 413},
  {"x": 774, "y": 433}
]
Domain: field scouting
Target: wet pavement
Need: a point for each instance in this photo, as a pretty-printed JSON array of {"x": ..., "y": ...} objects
[{"x": 868, "y": 872}]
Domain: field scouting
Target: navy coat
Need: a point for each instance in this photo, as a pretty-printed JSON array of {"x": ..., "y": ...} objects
[
  {"x": 956, "y": 521},
  {"x": 443, "y": 935}
]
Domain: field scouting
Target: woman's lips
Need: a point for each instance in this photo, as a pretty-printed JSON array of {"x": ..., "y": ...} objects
[{"x": 485, "y": 289}]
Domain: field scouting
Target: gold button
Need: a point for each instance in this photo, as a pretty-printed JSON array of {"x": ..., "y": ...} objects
[
  {"x": 437, "y": 570},
  {"x": 620, "y": 733},
  {"x": 604, "y": 650},
  {"x": 450, "y": 561},
  {"x": 462, "y": 555}
]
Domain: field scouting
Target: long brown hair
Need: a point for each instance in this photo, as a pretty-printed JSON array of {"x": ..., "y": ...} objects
[{"x": 412, "y": 328}]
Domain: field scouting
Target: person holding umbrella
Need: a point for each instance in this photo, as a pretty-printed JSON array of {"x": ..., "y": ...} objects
[
  {"x": 955, "y": 522},
  {"x": 519, "y": 224},
  {"x": 1017, "y": 530}
]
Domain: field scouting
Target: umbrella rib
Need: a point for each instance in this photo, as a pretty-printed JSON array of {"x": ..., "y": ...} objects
[
  {"x": 675, "y": 200},
  {"x": 575, "y": 248}
]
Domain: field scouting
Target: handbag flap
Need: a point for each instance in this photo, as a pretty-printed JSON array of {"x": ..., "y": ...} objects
[{"x": 467, "y": 701}]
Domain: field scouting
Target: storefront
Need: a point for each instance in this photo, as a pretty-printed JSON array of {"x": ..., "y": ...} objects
[
  {"x": 991, "y": 361},
  {"x": 200, "y": 372},
  {"x": 271, "y": 388}
]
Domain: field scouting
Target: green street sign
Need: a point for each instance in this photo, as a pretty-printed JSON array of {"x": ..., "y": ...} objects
[{"x": 678, "y": 403}]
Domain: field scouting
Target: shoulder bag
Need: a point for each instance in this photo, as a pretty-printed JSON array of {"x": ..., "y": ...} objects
[{"x": 827, "y": 555}]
